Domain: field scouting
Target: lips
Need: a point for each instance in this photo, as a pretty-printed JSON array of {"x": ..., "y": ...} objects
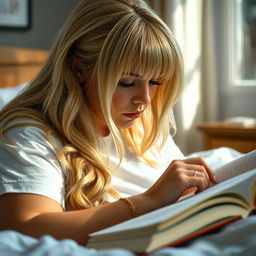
[{"x": 133, "y": 115}]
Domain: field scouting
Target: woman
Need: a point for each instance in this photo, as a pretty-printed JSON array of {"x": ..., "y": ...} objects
[{"x": 87, "y": 144}]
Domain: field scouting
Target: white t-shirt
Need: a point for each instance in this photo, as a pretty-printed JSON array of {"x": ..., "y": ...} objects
[
  {"x": 135, "y": 175},
  {"x": 32, "y": 166}
]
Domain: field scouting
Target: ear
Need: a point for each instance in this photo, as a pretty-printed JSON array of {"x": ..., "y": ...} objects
[{"x": 78, "y": 72}]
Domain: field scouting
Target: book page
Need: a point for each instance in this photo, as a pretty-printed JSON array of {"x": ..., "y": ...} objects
[{"x": 238, "y": 166}]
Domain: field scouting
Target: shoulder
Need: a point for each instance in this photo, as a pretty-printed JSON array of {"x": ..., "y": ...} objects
[
  {"x": 29, "y": 162},
  {"x": 26, "y": 132}
]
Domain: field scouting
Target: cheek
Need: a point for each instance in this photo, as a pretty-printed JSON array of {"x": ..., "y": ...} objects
[
  {"x": 119, "y": 99},
  {"x": 153, "y": 92}
]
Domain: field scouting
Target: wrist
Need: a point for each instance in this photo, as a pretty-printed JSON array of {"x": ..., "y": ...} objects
[
  {"x": 143, "y": 204},
  {"x": 130, "y": 205}
]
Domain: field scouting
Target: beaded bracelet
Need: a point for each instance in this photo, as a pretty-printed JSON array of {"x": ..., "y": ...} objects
[{"x": 130, "y": 205}]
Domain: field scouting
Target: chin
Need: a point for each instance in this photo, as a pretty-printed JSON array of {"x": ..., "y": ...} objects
[{"x": 125, "y": 125}]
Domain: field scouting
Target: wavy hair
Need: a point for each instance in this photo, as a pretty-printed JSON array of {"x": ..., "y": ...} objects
[{"x": 106, "y": 38}]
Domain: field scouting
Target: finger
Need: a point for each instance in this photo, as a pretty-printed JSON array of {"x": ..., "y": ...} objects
[
  {"x": 189, "y": 165},
  {"x": 189, "y": 191},
  {"x": 200, "y": 178},
  {"x": 200, "y": 161},
  {"x": 201, "y": 184},
  {"x": 199, "y": 171},
  {"x": 196, "y": 170},
  {"x": 196, "y": 181},
  {"x": 204, "y": 178}
]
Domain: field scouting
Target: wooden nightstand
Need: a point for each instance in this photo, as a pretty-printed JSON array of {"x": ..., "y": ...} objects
[{"x": 225, "y": 134}]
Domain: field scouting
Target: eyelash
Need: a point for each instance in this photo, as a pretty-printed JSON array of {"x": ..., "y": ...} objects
[{"x": 123, "y": 84}]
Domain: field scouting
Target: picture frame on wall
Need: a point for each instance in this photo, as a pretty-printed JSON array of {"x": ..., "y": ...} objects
[{"x": 15, "y": 14}]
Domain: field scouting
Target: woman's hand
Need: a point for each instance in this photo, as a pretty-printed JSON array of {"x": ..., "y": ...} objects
[{"x": 180, "y": 178}]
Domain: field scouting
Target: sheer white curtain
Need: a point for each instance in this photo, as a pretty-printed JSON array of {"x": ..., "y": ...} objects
[{"x": 192, "y": 22}]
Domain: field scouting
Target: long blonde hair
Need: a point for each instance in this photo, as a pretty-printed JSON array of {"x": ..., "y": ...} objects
[{"x": 106, "y": 38}]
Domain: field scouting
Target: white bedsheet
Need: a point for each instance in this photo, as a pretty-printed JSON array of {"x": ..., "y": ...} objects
[
  {"x": 7, "y": 94},
  {"x": 238, "y": 238}
]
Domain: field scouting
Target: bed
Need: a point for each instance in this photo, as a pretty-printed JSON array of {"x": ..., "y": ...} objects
[{"x": 17, "y": 67}]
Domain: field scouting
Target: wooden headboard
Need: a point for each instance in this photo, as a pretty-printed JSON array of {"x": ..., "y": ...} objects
[{"x": 19, "y": 65}]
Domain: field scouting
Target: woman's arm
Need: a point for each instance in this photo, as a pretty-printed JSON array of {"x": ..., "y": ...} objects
[{"x": 36, "y": 215}]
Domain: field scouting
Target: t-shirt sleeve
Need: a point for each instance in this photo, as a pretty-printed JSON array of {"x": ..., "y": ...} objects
[{"x": 31, "y": 165}]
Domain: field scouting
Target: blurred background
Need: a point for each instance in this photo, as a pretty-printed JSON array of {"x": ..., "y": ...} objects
[{"x": 218, "y": 42}]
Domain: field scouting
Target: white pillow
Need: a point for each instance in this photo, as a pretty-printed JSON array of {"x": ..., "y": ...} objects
[
  {"x": 7, "y": 94},
  {"x": 218, "y": 156}
]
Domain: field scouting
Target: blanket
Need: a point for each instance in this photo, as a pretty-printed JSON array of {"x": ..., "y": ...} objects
[{"x": 238, "y": 238}]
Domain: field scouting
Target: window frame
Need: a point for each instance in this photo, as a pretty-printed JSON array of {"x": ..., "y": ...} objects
[{"x": 235, "y": 84}]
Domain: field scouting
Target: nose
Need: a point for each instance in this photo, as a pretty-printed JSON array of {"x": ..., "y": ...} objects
[{"x": 143, "y": 94}]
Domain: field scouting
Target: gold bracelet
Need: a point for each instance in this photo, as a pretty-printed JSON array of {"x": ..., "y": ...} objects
[{"x": 130, "y": 205}]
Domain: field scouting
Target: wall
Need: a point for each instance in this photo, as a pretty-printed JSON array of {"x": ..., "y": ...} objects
[{"x": 47, "y": 17}]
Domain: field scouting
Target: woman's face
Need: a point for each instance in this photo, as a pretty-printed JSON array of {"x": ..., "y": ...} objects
[{"x": 132, "y": 96}]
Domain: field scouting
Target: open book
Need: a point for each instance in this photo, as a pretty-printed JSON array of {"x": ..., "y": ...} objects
[{"x": 234, "y": 197}]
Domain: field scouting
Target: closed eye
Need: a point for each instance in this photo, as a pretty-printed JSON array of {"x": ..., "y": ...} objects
[
  {"x": 153, "y": 82},
  {"x": 123, "y": 84}
]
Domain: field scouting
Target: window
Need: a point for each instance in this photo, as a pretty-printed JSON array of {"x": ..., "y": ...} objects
[{"x": 243, "y": 20}]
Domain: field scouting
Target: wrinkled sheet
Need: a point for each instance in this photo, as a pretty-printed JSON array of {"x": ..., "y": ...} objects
[
  {"x": 7, "y": 94},
  {"x": 237, "y": 238}
]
